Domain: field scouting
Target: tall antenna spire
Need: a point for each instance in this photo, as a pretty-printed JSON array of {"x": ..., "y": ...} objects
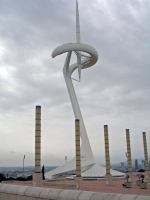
[
  {"x": 78, "y": 39},
  {"x": 77, "y": 23}
]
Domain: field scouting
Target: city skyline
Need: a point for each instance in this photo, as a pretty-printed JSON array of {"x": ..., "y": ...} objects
[{"x": 114, "y": 92}]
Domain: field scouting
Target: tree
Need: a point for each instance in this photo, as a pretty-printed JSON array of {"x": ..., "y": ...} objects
[
  {"x": 141, "y": 170},
  {"x": 127, "y": 177},
  {"x": 43, "y": 173},
  {"x": 2, "y": 178},
  {"x": 142, "y": 177}
]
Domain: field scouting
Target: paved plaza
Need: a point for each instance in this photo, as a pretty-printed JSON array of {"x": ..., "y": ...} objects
[{"x": 95, "y": 186}]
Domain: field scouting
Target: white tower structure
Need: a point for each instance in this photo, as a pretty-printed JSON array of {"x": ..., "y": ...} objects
[
  {"x": 78, "y": 39},
  {"x": 83, "y": 61}
]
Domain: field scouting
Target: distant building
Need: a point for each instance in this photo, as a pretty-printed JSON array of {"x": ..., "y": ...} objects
[
  {"x": 122, "y": 164},
  {"x": 143, "y": 164},
  {"x": 136, "y": 165}
]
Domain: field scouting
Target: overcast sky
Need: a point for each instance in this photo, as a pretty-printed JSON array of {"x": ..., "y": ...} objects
[{"x": 115, "y": 91}]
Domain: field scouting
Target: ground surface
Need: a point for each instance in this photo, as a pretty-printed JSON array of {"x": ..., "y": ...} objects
[{"x": 96, "y": 186}]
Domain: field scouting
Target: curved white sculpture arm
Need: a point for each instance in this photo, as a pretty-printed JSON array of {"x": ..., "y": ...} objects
[
  {"x": 86, "y": 152},
  {"x": 69, "y": 47}
]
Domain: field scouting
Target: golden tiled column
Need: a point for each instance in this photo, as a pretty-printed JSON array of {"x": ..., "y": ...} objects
[
  {"x": 37, "y": 176},
  {"x": 78, "y": 179},
  {"x": 147, "y": 172},
  {"x": 108, "y": 176},
  {"x": 129, "y": 173}
]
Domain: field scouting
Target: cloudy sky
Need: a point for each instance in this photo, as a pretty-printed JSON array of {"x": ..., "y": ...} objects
[{"x": 115, "y": 91}]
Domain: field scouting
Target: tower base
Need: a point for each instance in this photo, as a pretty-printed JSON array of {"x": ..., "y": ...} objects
[
  {"x": 37, "y": 180},
  {"x": 108, "y": 179},
  {"x": 79, "y": 183}
]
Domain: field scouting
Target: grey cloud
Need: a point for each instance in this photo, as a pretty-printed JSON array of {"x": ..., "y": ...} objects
[
  {"x": 12, "y": 152},
  {"x": 116, "y": 87}
]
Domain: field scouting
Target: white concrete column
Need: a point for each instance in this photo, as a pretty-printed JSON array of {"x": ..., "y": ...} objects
[
  {"x": 130, "y": 173},
  {"x": 37, "y": 176},
  {"x": 108, "y": 176},
  {"x": 78, "y": 180},
  {"x": 147, "y": 172}
]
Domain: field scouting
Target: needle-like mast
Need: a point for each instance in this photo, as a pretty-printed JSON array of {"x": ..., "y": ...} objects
[
  {"x": 78, "y": 39},
  {"x": 77, "y": 23}
]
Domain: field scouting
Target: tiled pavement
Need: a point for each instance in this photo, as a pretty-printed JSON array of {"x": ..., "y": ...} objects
[{"x": 96, "y": 186}]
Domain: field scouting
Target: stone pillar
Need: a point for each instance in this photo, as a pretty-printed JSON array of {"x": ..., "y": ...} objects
[
  {"x": 37, "y": 176},
  {"x": 108, "y": 176},
  {"x": 78, "y": 179},
  {"x": 147, "y": 172},
  {"x": 130, "y": 173}
]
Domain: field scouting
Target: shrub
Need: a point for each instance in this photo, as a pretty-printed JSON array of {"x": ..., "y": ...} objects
[{"x": 2, "y": 178}]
